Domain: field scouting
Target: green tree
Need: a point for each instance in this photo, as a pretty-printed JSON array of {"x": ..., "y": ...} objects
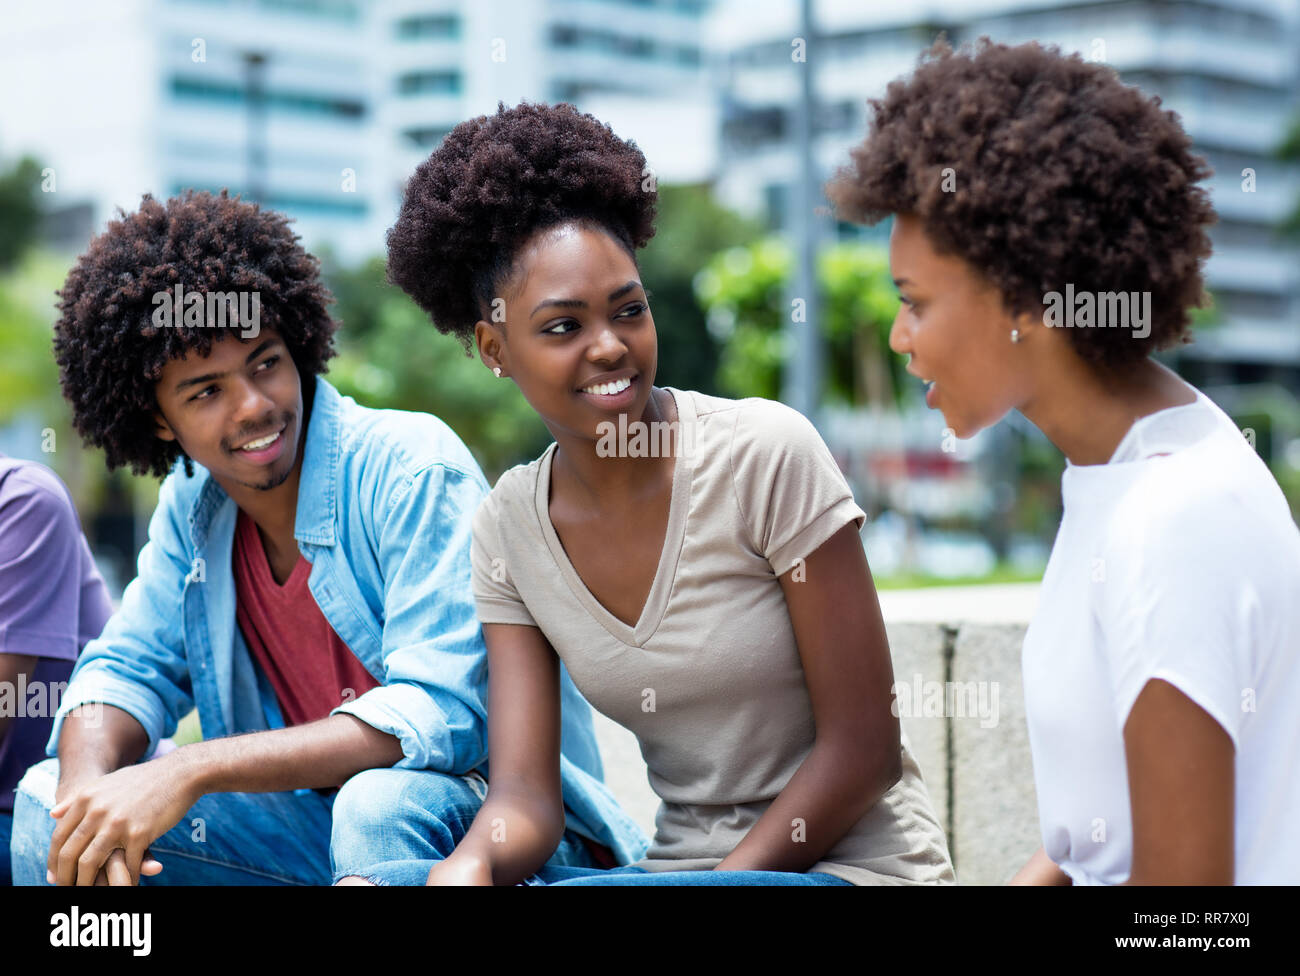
[
  {"x": 691, "y": 228},
  {"x": 20, "y": 209},
  {"x": 744, "y": 293},
  {"x": 1289, "y": 151},
  {"x": 391, "y": 356}
]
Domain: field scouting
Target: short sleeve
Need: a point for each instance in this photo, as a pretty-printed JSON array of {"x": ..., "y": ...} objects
[
  {"x": 1180, "y": 607},
  {"x": 791, "y": 492},
  {"x": 40, "y": 567},
  {"x": 497, "y": 600}
]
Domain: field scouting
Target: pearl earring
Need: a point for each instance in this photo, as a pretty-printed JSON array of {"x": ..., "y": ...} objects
[
  {"x": 1015, "y": 335},
  {"x": 497, "y": 371}
]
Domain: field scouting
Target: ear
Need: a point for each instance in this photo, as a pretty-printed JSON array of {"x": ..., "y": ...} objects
[
  {"x": 491, "y": 344},
  {"x": 162, "y": 429}
]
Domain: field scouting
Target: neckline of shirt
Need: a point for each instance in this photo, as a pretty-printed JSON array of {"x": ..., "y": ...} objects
[
  {"x": 656, "y": 604},
  {"x": 256, "y": 553},
  {"x": 1155, "y": 437}
]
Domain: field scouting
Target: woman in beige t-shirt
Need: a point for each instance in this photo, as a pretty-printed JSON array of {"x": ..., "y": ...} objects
[{"x": 693, "y": 561}]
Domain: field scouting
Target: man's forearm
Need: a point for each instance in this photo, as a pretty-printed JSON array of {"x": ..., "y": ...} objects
[
  {"x": 317, "y": 755},
  {"x": 96, "y": 739}
]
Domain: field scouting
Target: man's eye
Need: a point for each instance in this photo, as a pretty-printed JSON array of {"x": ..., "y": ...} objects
[
  {"x": 202, "y": 394},
  {"x": 268, "y": 362}
]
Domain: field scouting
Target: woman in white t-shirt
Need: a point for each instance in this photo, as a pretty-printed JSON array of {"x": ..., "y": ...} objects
[{"x": 1048, "y": 236}]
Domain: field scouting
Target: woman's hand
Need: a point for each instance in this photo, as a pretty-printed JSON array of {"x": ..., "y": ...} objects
[
  {"x": 465, "y": 870},
  {"x": 1040, "y": 870}
]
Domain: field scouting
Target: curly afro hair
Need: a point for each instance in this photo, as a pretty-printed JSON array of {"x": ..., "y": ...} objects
[
  {"x": 110, "y": 353},
  {"x": 493, "y": 183},
  {"x": 1062, "y": 175}
]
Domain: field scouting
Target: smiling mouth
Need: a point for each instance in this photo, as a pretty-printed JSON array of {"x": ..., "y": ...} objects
[
  {"x": 611, "y": 389},
  {"x": 262, "y": 443}
]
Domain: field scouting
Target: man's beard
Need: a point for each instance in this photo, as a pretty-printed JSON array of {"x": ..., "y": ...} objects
[{"x": 275, "y": 482}]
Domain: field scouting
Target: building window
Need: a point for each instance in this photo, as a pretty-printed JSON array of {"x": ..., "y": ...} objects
[
  {"x": 338, "y": 9},
  {"x": 425, "y": 138},
  {"x": 429, "y": 83},
  {"x": 216, "y": 93},
  {"x": 424, "y": 28}
]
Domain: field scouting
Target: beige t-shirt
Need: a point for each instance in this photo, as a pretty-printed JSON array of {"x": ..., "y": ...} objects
[{"x": 709, "y": 680}]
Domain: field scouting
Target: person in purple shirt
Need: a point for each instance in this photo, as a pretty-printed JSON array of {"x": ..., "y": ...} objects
[{"x": 52, "y": 603}]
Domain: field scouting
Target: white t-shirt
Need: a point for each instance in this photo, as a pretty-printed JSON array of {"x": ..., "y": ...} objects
[{"x": 1178, "y": 560}]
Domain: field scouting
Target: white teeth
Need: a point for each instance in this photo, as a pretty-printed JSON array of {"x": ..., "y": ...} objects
[
  {"x": 608, "y": 389},
  {"x": 258, "y": 445}
]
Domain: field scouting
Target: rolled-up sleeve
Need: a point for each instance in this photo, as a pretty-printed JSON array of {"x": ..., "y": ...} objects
[
  {"x": 433, "y": 699},
  {"x": 138, "y": 663}
]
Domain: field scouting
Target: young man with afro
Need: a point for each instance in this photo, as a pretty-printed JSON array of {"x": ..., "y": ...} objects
[{"x": 306, "y": 586}]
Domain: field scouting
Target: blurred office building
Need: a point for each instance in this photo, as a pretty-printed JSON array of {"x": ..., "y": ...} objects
[{"x": 318, "y": 108}]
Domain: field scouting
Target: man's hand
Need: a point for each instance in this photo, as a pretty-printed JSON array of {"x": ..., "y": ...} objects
[{"x": 120, "y": 814}]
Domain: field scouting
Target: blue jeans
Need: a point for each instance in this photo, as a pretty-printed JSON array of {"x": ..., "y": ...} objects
[
  {"x": 298, "y": 838},
  {"x": 414, "y": 872},
  {"x": 6, "y": 828}
]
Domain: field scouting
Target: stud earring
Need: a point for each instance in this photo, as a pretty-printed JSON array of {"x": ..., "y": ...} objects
[
  {"x": 1015, "y": 335},
  {"x": 497, "y": 371}
]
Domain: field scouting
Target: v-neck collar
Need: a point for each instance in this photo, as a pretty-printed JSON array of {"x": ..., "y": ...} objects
[
  {"x": 257, "y": 551},
  {"x": 656, "y": 602}
]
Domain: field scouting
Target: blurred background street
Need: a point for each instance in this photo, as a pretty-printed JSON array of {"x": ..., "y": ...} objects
[{"x": 322, "y": 108}]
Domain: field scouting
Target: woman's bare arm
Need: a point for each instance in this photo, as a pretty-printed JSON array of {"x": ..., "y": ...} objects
[
  {"x": 1181, "y": 783},
  {"x": 857, "y": 756},
  {"x": 521, "y": 822}
]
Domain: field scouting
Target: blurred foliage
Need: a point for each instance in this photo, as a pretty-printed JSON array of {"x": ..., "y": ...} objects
[
  {"x": 1289, "y": 151},
  {"x": 29, "y": 385},
  {"x": 29, "y": 376},
  {"x": 692, "y": 228},
  {"x": 744, "y": 290},
  {"x": 391, "y": 356},
  {"x": 20, "y": 208}
]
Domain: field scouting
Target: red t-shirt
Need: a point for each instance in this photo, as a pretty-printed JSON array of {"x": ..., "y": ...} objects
[{"x": 310, "y": 668}]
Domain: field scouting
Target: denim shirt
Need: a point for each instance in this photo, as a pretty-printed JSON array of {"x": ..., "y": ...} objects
[{"x": 386, "y": 501}]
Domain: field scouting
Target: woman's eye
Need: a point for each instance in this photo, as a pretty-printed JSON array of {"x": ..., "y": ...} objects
[
  {"x": 268, "y": 362},
  {"x": 554, "y": 330},
  {"x": 633, "y": 311}
]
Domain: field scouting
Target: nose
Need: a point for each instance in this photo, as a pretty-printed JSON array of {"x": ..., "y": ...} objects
[
  {"x": 606, "y": 347},
  {"x": 253, "y": 407},
  {"x": 900, "y": 336}
]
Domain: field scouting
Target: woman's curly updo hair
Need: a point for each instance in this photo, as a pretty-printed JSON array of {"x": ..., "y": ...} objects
[
  {"x": 1041, "y": 170},
  {"x": 110, "y": 352},
  {"x": 493, "y": 183}
]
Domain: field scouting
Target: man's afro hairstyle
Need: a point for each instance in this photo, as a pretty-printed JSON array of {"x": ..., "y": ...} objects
[
  {"x": 493, "y": 183},
  {"x": 111, "y": 354},
  {"x": 1041, "y": 170}
]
